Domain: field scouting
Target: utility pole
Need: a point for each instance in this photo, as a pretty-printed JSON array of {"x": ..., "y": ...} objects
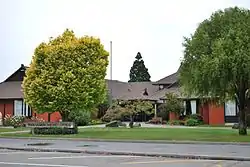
[{"x": 111, "y": 97}]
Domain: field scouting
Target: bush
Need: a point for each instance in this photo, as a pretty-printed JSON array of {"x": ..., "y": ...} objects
[
  {"x": 15, "y": 121},
  {"x": 163, "y": 112},
  {"x": 197, "y": 117},
  {"x": 54, "y": 130},
  {"x": 174, "y": 122},
  {"x": 80, "y": 118},
  {"x": 113, "y": 124},
  {"x": 95, "y": 122},
  {"x": 192, "y": 122},
  {"x": 112, "y": 114},
  {"x": 155, "y": 120}
]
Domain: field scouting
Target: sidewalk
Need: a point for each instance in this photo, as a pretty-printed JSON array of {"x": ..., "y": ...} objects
[{"x": 193, "y": 151}]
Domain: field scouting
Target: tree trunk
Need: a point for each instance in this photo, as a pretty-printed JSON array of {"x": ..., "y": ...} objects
[
  {"x": 131, "y": 121},
  {"x": 49, "y": 114},
  {"x": 242, "y": 122},
  {"x": 65, "y": 116},
  {"x": 242, "y": 109}
]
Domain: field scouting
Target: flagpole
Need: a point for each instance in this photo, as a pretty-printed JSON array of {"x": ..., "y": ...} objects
[{"x": 111, "y": 77}]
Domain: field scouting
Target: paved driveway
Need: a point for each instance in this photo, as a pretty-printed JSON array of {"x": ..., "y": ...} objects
[{"x": 34, "y": 159}]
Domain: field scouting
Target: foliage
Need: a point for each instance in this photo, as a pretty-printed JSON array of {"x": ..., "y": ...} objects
[
  {"x": 163, "y": 113},
  {"x": 134, "y": 107},
  {"x": 197, "y": 117},
  {"x": 155, "y": 120},
  {"x": 217, "y": 59},
  {"x": 192, "y": 122},
  {"x": 139, "y": 72},
  {"x": 173, "y": 104},
  {"x": 120, "y": 109},
  {"x": 115, "y": 112},
  {"x": 54, "y": 130},
  {"x": 95, "y": 122},
  {"x": 80, "y": 118},
  {"x": 66, "y": 74},
  {"x": 15, "y": 121},
  {"x": 174, "y": 122}
]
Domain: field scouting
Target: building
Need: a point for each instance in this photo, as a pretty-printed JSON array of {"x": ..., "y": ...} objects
[{"x": 12, "y": 103}]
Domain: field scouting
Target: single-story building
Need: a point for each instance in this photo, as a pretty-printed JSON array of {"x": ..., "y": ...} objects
[{"x": 12, "y": 103}]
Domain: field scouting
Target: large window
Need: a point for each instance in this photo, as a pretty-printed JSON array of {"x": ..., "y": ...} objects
[
  {"x": 230, "y": 108},
  {"x": 193, "y": 106},
  {"x": 21, "y": 109}
]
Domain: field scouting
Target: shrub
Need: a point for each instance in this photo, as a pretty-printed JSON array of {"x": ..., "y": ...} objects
[
  {"x": 163, "y": 113},
  {"x": 112, "y": 114},
  {"x": 15, "y": 121},
  {"x": 54, "y": 130},
  {"x": 192, "y": 122},
  {"x": 113, "y": 124},
  {"x": 174, "y": 122},
  {"x": 197, "y": 117},
  {"x": 80, "y": 118},
  {"x": 155, "y": 120},
  {"x": 95, "y": 122}
]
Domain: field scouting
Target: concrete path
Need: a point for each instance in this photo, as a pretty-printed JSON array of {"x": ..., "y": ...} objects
[
  {"x": 193, "y": 151},
  {"x": 144, "y": 125}
]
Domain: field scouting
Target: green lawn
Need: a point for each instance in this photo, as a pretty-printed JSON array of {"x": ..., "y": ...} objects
[
  {"x": 11, "y": 129},
  {"x": 222, "y": 135}
]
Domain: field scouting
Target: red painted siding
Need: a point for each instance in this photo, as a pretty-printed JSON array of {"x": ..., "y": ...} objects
[
  {"x": 2, "y": 109},
  {"x": 54, "y": 117},
  {"x": 9, "y": 109},
  {"x": 216, "y": 114},
  {"x": 173, "y": 116},
  {"x": 205, "y": 112}
]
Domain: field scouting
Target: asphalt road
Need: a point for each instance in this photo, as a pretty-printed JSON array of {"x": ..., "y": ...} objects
[
  {"x": 152, "y": 148},
  {"x": 34, "y": 159}
]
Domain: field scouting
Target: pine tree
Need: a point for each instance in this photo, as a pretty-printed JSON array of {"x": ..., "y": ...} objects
[{"x": 139, "y": 72}]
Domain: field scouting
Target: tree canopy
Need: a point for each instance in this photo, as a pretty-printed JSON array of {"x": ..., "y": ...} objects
[
  {"x": 217, "y": 59},
  {"x": 173, "y": 104},
  {"x": 139, "y": 72},
  {"x": 66, "y": 74}
]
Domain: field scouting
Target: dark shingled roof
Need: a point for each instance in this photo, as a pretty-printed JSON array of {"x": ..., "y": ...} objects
[
  {"x": 131, "y": 90},
  {"x": 11, "y": 90},
  {"x": 170, "y": 79}
]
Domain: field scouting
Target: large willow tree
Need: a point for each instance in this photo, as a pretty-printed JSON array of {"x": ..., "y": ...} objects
[{"x": 217, "y": 59}]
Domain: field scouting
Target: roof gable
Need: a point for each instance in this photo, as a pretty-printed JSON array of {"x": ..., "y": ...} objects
[
  {"x": 168, "y": 80},
  {"x": 18, "y": 75}
]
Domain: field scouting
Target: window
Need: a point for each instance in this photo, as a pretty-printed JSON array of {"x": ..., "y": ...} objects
[
  {"x": 230, "y": 108},
  {"x": 21, "y": 109},
  {"x": 193, "y": 106}
]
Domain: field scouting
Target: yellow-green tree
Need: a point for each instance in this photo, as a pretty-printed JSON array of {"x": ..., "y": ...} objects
[{"x": 66, "y": 75}]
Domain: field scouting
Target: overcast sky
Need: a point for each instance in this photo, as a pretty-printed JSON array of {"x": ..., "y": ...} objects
[{"x": 153, "y": 27}]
